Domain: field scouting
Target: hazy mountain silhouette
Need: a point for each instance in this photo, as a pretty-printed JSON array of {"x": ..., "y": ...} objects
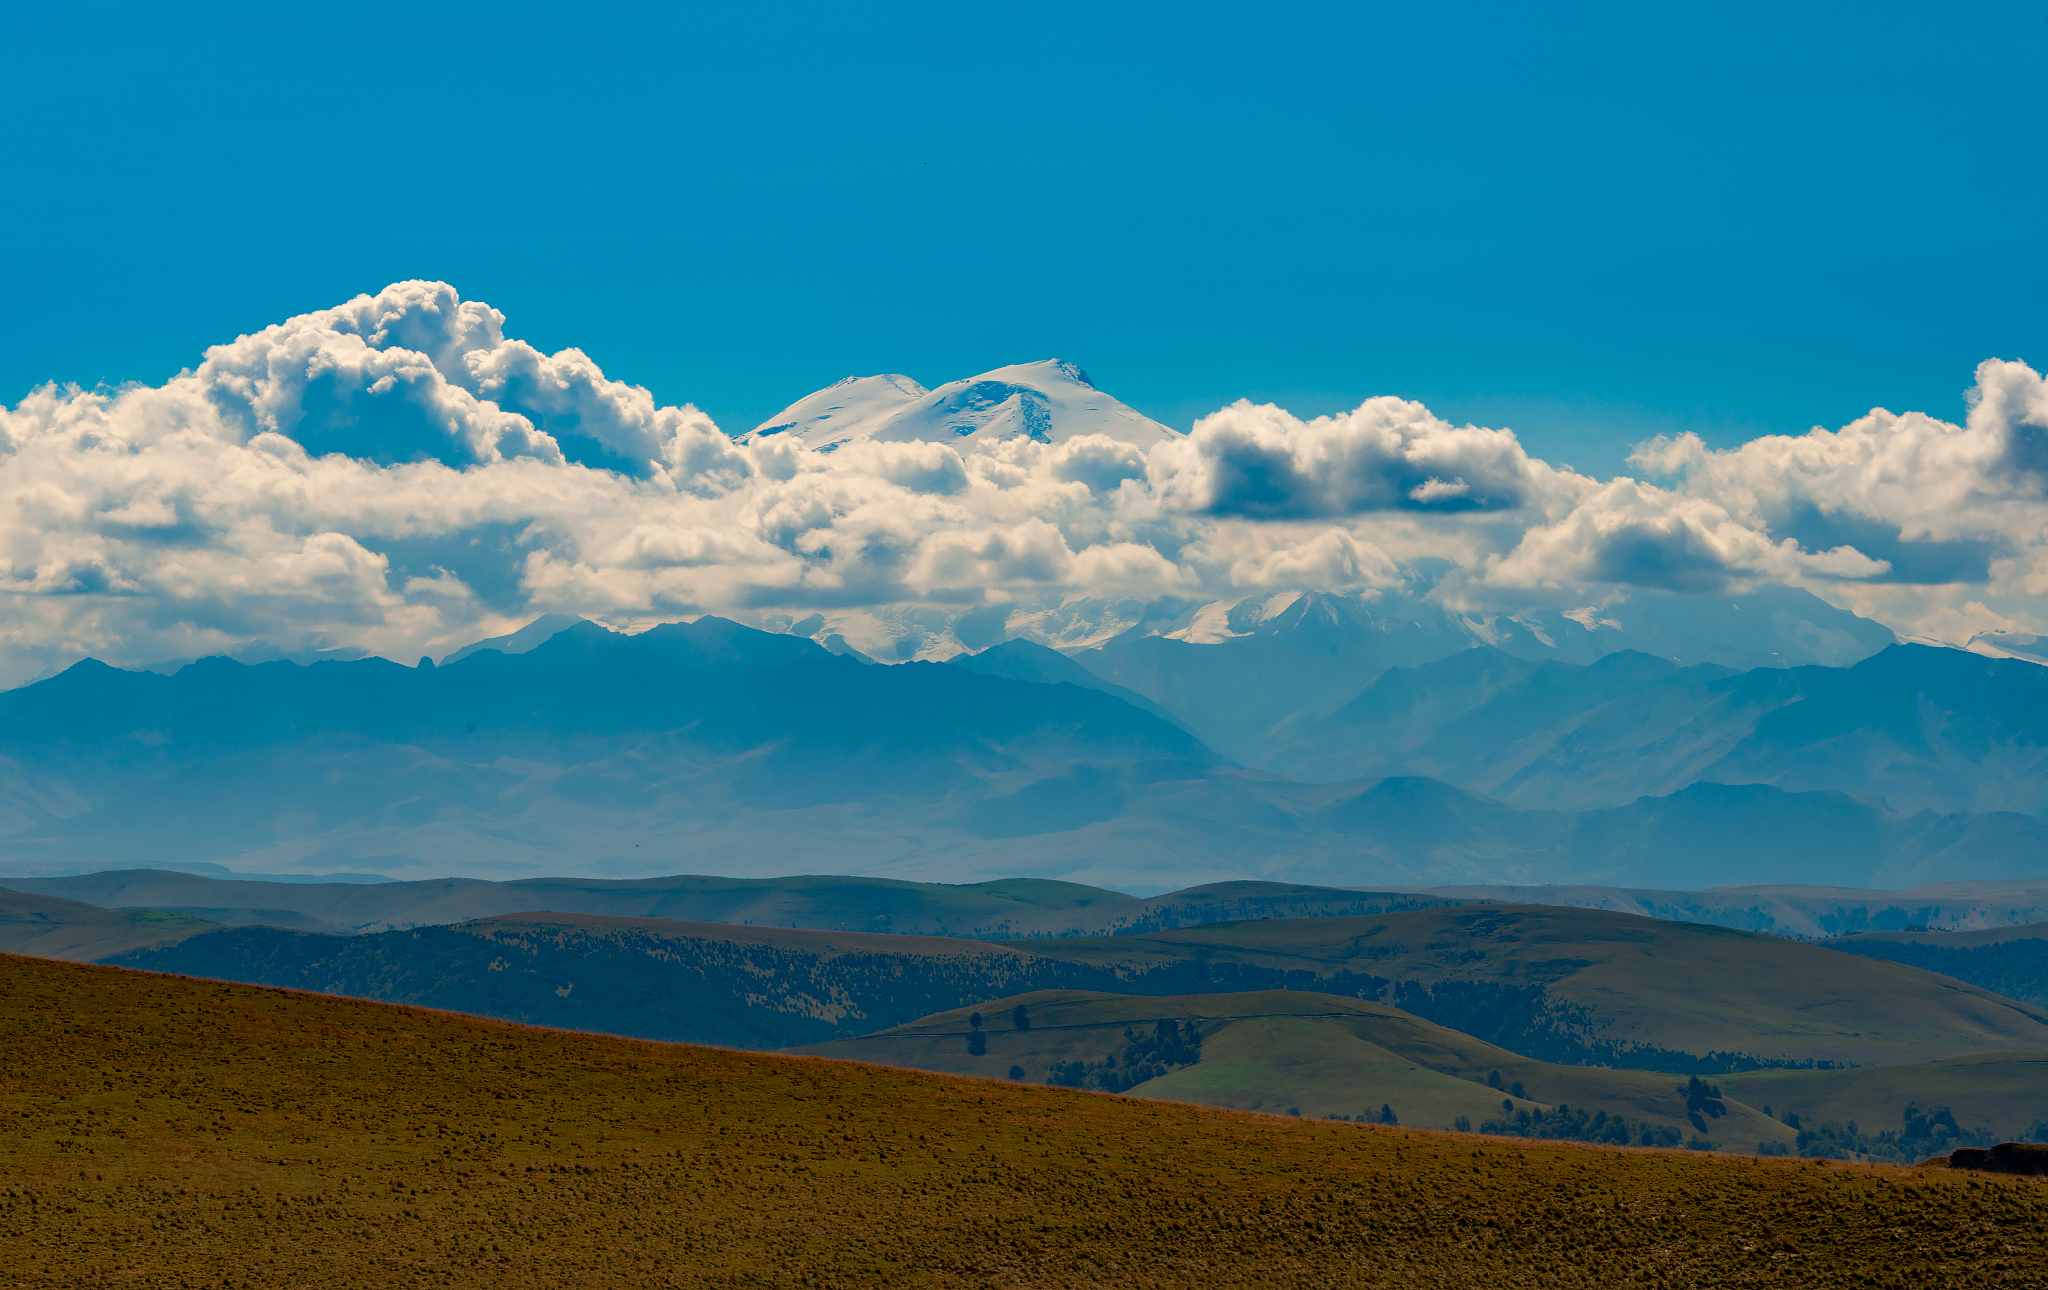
[
  {"x": 1022, "y": 660},
  {"x": 553, "y": 759},
  {"x": 709, "y": 747},
  {"x": 1253, "y": 676},
  {"x": 1911, "y": 728}
]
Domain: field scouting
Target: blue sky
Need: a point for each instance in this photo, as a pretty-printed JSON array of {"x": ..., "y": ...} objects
[{"x": 1588, "y": 224}]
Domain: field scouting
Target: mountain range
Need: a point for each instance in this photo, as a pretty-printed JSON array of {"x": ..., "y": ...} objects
[
  {"x": 1258, "y": 677},
  {"x": 1329, "y": 643},
  {"x": 1912, "y": 727},
  {"x": 710, "y": 747}
]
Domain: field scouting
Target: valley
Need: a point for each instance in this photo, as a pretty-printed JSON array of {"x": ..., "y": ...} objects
[
  {"x": 1293, "y": 1053},
  {"x": 1573, "y": 986}
]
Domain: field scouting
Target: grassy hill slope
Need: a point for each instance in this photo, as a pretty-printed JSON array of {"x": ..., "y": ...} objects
[
  {"x": 1563, "y": 985},
  {"x": 1800, "y": 910},
  {"x": 1288, "y": 1052},
  {"x": 1008, "y": 907},
  {"x": 210, "y": 1135},
  {"x": 2012, "y": 961},
  {"x": 68, "y": 929},
  {"x": 1604, "y": 981},
  {"x": 1974, "y": 938},
  {"x": 2004, "y": 1092},
  {"x": 749, "y": 987}
]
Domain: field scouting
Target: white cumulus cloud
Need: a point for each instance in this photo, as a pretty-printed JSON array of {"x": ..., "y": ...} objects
[
  {"x": 395, "y": 475},
  {"x": 1261, "y": 461}
]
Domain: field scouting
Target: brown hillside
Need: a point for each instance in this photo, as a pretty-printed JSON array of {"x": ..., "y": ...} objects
[{"x": 171, "y": 1132}]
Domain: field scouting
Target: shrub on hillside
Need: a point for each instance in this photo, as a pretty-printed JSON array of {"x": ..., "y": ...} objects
[
  {"x": 1920, "y": 1134},
  {"x": 1575, "y": 1124},
  {"x": 1170, "y": 1045}
]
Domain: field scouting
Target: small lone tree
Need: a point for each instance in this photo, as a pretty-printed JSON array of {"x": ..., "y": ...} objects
[
  {"x": 974, "y": 1020},
  {"x": 1020, "y": 1018},
  {"x": 1387, "y": 1115},
  {"x": 1016, "y": 1072},
  {"x": 977, "y": 1044}
]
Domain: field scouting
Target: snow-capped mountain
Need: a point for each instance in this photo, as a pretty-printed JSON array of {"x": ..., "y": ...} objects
[
  {"x": 1050, "y": 401},
  {"x": 2026, "y": 646},
  {"x": 846, "y": 409},
  {"x": 1244, "y": 674}
]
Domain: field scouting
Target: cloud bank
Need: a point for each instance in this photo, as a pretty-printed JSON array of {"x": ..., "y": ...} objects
[{"x": 396, "y": 476}]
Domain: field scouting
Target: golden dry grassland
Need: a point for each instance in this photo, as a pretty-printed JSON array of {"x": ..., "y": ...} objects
[{"x": 162, "y": 1131}]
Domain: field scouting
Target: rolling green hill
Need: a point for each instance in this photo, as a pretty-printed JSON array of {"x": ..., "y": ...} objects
[
  {"x": 1575, "y": 985},
  {"x": 1974, "y": 938},
  {"x": 1010, "y": 907},
  {"x": 1799, "y": 910},
  {"x": 748, "y": 987},
  {"x": 1289, "y": 1052},
  {"x": 751, "y": 987},
  {"x": 1307, "y": 1029},
  {"x": 48, "y": 927},
  {"x": 2012, "y": 961},
  {"x": 2006, "y": 1093}
]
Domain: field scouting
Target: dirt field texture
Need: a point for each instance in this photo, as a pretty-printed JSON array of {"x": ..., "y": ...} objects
[{"x": 161, "y": 1131}]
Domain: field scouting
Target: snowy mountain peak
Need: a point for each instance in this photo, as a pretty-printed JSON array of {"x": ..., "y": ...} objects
[
  {"x": 2006, "y": 644},
  {"x": 1044, "y": 374},
  {"x": 1050, "y": 401},
  {"x": 1274, "y": 614},
  {"x": 834, "y": 414}
]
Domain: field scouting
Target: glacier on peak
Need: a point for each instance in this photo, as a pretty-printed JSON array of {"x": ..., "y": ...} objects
[
  {"x": 838, "y": 412},
  {"x": 1049, "y": 401},
  {"x": 2000, "y": 643}
]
